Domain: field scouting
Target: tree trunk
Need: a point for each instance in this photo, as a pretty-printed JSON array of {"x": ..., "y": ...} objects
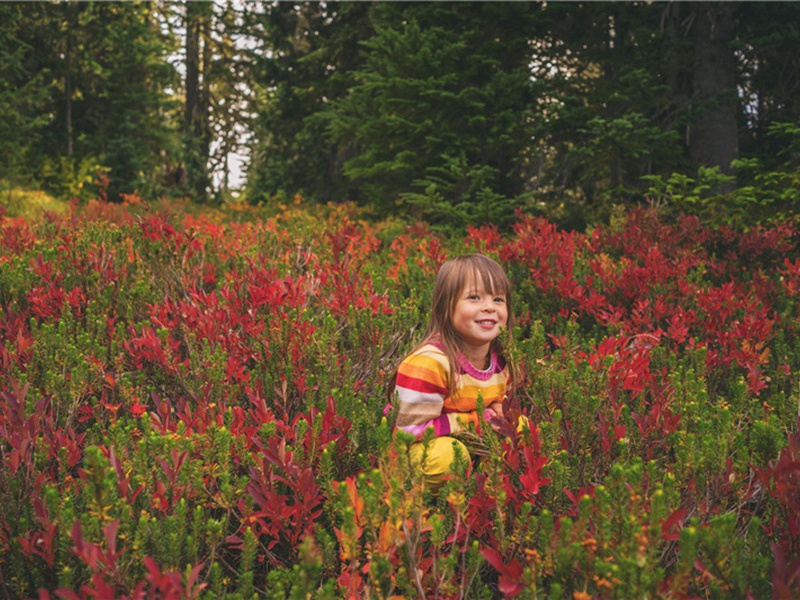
[
  {"x": 192, "y": 68},
  {"x": 713, "y": 139},
  {"x": 203, "y": 124},
  {"x": 196, "y": 108},
  {"x": 68, "y": 81}
]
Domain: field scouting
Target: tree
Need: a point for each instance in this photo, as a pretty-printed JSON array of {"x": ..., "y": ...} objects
[
  {"x": 303, "y": 62},
  {"x": 197, "y": 128},
  {"x": 98, "y": 74},
  {"x": 768, "y": 76},
  {"x": 230, "y": 96},
  {"x": 436, "y": 122},
  {"x": 23, "y": 94},
  {"x": 714, "y": 136},
  {"x": 608, "y": 111},
  {"x": 133, "y": 123},
  {"x": 633, "y": 90},
  {"x": 452, "y": 112}
]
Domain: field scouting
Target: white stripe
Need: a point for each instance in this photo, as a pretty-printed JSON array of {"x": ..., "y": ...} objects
[
  {"x": 414, "y": 397},
  {"x": 416, "y": 430}
]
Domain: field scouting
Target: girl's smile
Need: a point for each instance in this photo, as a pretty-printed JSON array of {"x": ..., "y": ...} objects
[{"x": 487, "y": 323}]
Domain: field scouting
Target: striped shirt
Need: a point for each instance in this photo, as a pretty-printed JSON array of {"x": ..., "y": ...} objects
[{"x": 423, "y": 397}]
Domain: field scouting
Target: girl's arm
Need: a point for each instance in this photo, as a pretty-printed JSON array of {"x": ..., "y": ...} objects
[{"x": 422, "y": 385}]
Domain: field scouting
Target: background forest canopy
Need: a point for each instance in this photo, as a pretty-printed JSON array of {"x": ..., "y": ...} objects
[{"x": 453, "y": 113}]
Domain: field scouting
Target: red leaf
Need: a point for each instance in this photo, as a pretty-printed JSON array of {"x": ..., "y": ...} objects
[{"x": 668, "y": 525}]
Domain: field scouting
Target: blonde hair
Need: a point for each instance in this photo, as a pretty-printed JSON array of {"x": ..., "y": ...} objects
[{"x": 451, "y": 280}]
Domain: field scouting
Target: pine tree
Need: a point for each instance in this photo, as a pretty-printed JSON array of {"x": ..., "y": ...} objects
[
  {"x": 303, "y": 63},
  {"x": 95, "y": 100},
  {"x": 23, "y": 94},
  {"x": 437, "y": 120}
]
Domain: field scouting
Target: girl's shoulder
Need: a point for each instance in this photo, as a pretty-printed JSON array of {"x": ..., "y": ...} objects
[
  {"x": 433, "y": 349},
  {"x": 433, "y": 345},
  {"x": 432, "y": 353}
]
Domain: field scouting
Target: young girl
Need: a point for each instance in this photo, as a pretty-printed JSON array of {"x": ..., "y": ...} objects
[{"x": 460, "y": 359}]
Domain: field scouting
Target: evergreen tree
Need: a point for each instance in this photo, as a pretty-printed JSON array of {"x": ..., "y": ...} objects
[
  {"x": 436, "y": 123},
  {"x": 769, "y": 76},
  {"x": 451, "y": 112},
  {"x": 304, "y": 61},
  {"x": 98, "y": 74},
  {"x": 230, "y": 96},
  {"x": 196, "y": 121},
  {"x": 23, "y": 96},
  {"x": 133, "y": 123},
  {"x": 607, "y": 110},
  {"x": 713, "y": 138}
]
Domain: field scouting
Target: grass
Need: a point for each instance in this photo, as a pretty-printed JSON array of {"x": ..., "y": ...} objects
[{"x": 30, "y": 204}]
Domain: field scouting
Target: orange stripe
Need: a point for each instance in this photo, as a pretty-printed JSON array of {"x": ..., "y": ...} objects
[{"x": 424, "y": 373}]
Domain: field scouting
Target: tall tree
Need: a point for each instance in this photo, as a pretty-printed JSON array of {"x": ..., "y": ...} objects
[
  {"x": 23, "y": 97},
  {"x": 443, "y": 111},
  {"x": 301, "y": 61},
  {"x": 637, "y": 89},
  {"x": 714, "y": 138},
  {"x": 768, "y": 75},
  {"x": 216, "y": 92},
  {"x": 230, "y": 96},
  {"x": 70, "y": 25},
  {"x": 197, "y": 125},
  {"x": 135, "y": 122},
  {"x": 102, "y": 106},
  {"x": 606, "y": 112},
  {"x": 437, "y": 117}
]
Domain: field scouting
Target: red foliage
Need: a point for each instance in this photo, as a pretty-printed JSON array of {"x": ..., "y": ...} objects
[
  {"x": 231, "y": 319},
  {"x": 288, "y": 498},
  {"x": 781, "y": 479}
]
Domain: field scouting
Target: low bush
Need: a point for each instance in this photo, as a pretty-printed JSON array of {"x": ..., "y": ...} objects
[{"x": 192, "y": 406}]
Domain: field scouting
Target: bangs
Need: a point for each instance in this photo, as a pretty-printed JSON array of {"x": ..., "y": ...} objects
[{"x": 494, "y": 279}]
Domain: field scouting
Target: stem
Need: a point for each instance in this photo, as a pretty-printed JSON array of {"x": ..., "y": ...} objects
[{"x": 412, "y": 563}]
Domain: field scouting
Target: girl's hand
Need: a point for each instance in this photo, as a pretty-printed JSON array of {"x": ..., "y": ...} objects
[
  {"x": 491, "y": 414},
  {"x": 497, "y": 409}
]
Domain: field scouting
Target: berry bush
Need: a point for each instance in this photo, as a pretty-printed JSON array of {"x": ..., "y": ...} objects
[{"x": 191, "y": 406}]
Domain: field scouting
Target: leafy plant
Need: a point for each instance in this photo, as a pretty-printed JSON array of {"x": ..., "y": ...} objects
[{"x": 194, "y": 405}]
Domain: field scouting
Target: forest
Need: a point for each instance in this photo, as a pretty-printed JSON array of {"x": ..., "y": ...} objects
[
  {"x": 453, "y": 113},
  {"x": 220, "y": 223}
]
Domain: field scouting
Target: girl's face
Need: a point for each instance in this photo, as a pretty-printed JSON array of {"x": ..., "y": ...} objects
[{"x": 477, "y": 317}]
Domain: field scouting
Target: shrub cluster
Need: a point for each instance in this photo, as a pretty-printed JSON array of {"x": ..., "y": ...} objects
[{"x": 192, "y": 406}]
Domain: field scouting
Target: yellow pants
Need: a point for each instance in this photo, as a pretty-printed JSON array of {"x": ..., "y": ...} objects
[{"x": 436, "y": 463}]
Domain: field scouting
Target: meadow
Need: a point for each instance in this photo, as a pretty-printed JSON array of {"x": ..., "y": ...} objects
[{"x": 192, "y": 407}]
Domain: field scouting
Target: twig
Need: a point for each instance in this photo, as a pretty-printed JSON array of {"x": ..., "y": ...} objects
[{"x": 412, "y": 563}]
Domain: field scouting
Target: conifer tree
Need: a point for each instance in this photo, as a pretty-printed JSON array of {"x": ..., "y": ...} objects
[
  {"x": 23, "y": 94},
  {"x": 437, "y": 120},
  {"x": 303, "y": 62},
  {"x": 91, "y": 95}
]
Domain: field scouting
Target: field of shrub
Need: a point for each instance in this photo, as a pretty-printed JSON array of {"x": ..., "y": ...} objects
[{"x": 192, "y": 407}]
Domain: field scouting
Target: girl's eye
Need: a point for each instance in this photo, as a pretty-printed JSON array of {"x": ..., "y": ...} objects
[{"x": 500, "y": 299}]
